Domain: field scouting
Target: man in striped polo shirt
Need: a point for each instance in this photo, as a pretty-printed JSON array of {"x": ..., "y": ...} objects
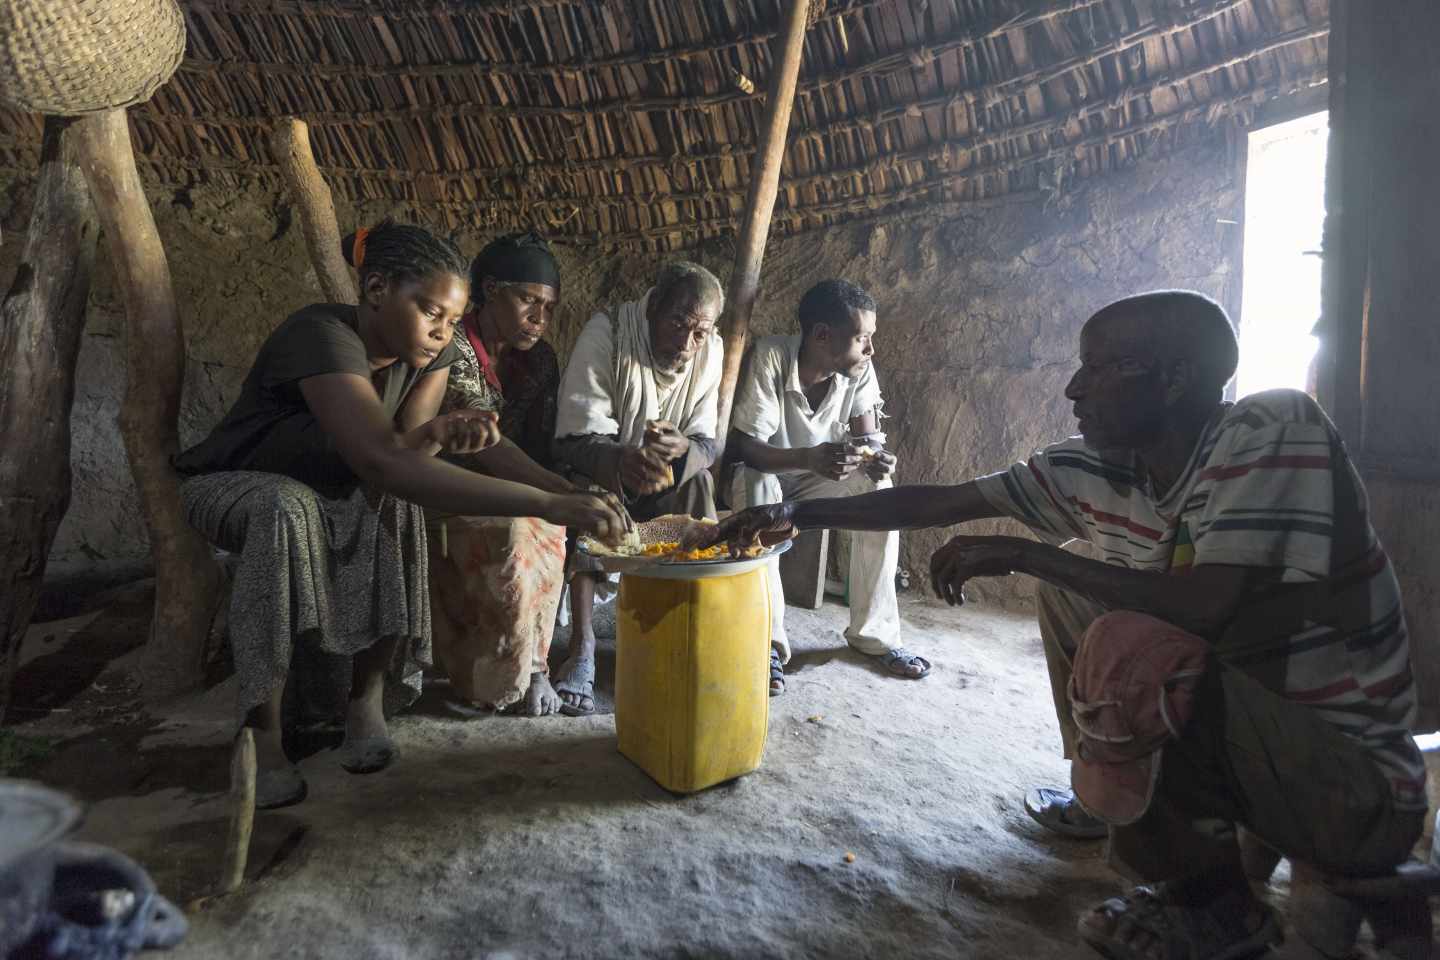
[{"x": 1244, "y": 525}]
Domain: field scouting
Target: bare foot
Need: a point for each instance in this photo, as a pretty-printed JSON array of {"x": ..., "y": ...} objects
[
  {"x": 365, "y": 719},
  {"x": 269, "y": 751},
  {"x": 367, "y": 747},
  {"x": 278, "y": 782},
  {"x": 540, "y": 699}
]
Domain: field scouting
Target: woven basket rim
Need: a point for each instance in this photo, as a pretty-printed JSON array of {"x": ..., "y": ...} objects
[{"x": 76, "y": 57}]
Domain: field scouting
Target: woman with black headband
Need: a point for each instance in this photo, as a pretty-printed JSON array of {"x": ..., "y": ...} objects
[
  {"x": 312, "y": 476},
  {"x": 504, "y": 365},
  {"x": 495, "y": 582}
]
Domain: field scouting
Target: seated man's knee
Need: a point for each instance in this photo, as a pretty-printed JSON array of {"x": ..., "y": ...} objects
[
  {"x": 697, "y": 495},
  {"x": 1128, "y": 626},
  {"x": 705, "y": 482}
]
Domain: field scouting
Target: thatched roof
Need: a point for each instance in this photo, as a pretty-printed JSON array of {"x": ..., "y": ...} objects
[{"x": 623, "y": 121}]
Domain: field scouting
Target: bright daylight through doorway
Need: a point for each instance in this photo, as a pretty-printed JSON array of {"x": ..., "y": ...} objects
[{"x": 1284, "y": 217}]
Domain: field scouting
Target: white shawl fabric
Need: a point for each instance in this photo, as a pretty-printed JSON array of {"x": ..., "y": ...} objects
[{"x": 611, "y": 386}]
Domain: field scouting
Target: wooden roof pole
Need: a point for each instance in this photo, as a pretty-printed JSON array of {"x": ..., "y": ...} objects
[
  {"x": 40, "y": 324},
  {"x": 290, "y": 144},
  {"x": 187, "y": 579},
  {"x": 760, "y": 204}
]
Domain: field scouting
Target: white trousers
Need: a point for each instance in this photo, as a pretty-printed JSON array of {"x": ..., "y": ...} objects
[{"x": 874, "y": 613}]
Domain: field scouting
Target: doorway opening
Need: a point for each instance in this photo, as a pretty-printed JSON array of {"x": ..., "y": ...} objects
[{"x": 1284, "y": 220}]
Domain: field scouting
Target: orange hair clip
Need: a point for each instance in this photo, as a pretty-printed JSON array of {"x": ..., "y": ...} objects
[{"x": 357, "y": 252}]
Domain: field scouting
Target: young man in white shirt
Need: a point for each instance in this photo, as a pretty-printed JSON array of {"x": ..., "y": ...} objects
[{"x": 807, "y": 424}]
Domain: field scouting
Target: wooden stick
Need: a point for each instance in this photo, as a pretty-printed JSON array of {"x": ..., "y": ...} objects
[
  {"x": 764, "y": 185},
  {"x": 242, "y": 811},
  {"x": 41, "y": 320},
  {"x": 291, "y": 146},
  {"x": 186, "y": 576}
]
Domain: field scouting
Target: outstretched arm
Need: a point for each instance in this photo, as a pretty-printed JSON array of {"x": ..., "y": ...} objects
[
  {"x": 507, "y": 461},
  {"x": 902, "y": 508},
  {"x": 348, "y": 410}
]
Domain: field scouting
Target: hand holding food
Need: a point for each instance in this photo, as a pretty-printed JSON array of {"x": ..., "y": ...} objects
[
  {"x": 877, "y": 464},
  {"x": 833, "y": 461},
  {"x": 749, "y": 530},
  {"x": 665, "y": 438},
  {"x": 464, "y": 431},
  {"x": 643, "y": 471},
  {"x": 599, "y": 516},
  {"x": 670, "y": 539}
]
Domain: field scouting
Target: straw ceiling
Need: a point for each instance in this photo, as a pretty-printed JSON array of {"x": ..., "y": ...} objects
[{"x": 634, "y": 121}]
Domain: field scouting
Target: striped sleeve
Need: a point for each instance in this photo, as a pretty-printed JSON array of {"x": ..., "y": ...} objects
[
  {"x": 1270, "y": 494},
  {"x": 1029, "y": 492}
]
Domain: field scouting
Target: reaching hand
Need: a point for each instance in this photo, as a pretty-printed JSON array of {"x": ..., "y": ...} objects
[
  {"x": 599, "y": 515},
  {"x": 465, "y": 431},
  {"x": 833, "y": 461},
  {"x": 665, "y": 439},
  {"x": 880, "y": 466},
  {"x": 643, "y": 471},
  {"x": 765, "y": 526},
  {"x": 965, "y": 557}
]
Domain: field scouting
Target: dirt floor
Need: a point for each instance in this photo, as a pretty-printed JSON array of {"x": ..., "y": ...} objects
[{"x": 507, "y": 837}]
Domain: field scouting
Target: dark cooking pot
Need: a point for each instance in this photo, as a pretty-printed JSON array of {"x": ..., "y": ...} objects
[{"x": 33, "y": 820}]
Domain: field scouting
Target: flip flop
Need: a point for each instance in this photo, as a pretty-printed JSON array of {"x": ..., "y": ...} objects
[
  {"x": 895, "y": 661},
  {"x": 777, "y": 673},
  {"x": 1195, "y": 933},
  {"x": 581, "y": 683},
  {"x": 368, "y": 754},
  {"x": 279, "y": 788}
]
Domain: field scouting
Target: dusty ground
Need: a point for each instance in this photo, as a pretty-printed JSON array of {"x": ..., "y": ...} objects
[{"x": 508, "y": 837}]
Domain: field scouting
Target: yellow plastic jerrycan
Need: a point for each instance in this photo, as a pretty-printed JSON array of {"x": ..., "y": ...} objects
[{"x": 692, "y": 676}]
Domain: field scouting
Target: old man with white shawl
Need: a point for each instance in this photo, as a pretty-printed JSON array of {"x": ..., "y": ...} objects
[{"x": 637, "y": 416}]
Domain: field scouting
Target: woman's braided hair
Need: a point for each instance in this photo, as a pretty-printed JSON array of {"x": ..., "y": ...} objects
[{"x": 402, "y": 252}]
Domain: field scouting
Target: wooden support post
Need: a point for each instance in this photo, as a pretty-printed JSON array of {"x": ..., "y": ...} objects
[
  {"x": 187, "y": 579},
  {"x": 760, "y": 204},
  {"x": 242, "y": 812},
  {"x": 41, "y": 320},
  {"x": 290, "y": 144}
]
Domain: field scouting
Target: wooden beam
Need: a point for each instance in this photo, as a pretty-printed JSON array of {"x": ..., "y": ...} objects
[
  {"x": 41, "y": 320},
  {"x": 290, "y": 145},
  {"x": 764, "y": 185},
  {"x": 187, "y": 579}
]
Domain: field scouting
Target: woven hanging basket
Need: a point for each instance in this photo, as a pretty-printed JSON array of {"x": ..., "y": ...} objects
[{"x": 72, "y": 57}]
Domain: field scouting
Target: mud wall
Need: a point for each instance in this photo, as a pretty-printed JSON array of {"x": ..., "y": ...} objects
[{"x": 977, "y": 321}]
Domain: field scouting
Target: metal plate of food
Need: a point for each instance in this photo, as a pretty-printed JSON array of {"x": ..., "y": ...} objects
[{"x": 653, "y": 550}]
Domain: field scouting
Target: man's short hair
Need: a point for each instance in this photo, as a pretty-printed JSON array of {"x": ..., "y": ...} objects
[
  {"x": 684, "y": 273},
  {"x": 1184, "y": 325},
  {"x": 830, "y": 300}
]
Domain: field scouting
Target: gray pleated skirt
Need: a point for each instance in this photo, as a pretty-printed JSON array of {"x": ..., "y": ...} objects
[{"x": 334, "y": 574}]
